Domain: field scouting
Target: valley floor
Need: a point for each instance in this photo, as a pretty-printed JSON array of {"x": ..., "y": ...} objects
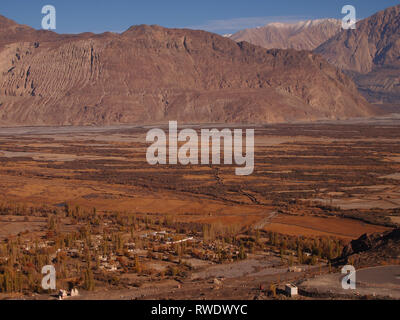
[{"x": 323, "y": 180}]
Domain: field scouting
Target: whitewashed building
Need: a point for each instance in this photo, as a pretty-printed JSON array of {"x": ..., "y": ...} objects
[{"x": 291, "y": 290}]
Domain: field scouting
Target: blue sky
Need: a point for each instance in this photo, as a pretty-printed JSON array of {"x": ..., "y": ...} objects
[{"x": 220, "y": 16}]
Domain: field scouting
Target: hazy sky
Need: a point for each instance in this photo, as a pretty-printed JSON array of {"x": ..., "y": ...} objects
[{"x": 221, "y": 16}]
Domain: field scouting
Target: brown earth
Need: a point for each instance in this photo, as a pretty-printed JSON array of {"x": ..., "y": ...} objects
[
  {"x": 321, "y": 226},
  {"x": 107, "y": 169},
  {"x": 153, "y": 74}
]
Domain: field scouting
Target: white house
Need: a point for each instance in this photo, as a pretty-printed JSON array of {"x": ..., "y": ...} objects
[{"x": 291, "y": 290}]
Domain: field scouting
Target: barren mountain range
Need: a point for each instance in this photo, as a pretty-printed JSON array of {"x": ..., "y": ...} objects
[
  {"x": 370, "y": 54},
  {"x": 303, "y": 35},
  {"x": 151, "y": 74}
]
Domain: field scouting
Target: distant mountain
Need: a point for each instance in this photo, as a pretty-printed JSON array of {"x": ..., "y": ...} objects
[
  {"x": 303, "y": 35},
  {"x": 370, "y": 54},
  {"x": 151, "y": 74}
]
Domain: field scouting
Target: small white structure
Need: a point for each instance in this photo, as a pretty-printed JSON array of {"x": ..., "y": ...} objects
[
  {"x": 62, "y": 294},
  {"x": 74, "y": 292},
  {"x": 295, "y": 269},
  {"x": 291, "y": 290},
  {"x": 179, "y": 241},
  {"x": 109, "y": 266}
]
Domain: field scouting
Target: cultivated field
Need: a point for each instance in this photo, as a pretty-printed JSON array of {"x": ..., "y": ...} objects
[{"x": 321, "y": 183}]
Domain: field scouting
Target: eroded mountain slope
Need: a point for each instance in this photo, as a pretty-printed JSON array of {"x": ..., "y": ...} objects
[{"x": 153, "y": 74}]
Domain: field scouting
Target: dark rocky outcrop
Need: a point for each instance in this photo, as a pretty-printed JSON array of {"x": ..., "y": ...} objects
[{"x": 372, "y": 249}]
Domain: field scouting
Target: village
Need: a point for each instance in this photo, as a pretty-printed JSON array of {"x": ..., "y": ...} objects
[{"x": 91, "y": 250}]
